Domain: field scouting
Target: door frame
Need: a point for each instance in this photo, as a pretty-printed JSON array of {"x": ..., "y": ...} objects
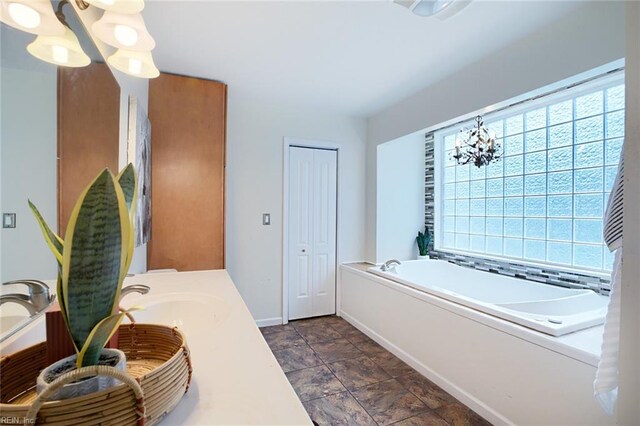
[{"x": 289, "y": 142}]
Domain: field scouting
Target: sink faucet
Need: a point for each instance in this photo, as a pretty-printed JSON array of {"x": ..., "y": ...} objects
[
  {"x": 134, "y": 288},
  {"x": 20, "y": 299},
  {"x": 389, "y": 264},
  {"x": 37, "y": 300}
]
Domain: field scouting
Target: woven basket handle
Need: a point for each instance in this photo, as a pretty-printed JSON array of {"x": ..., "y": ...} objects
[{"x": 92, "y": 370}]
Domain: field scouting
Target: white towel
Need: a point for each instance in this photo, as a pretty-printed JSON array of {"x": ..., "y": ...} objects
[{"x": 606, "y": 384}]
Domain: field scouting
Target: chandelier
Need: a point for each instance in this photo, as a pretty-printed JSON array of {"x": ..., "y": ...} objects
[
  {"x": 121, "y": 27},
  {"x": 477, "y": 146}
]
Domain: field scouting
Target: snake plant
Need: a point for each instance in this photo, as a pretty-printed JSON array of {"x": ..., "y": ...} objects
[
  {"x": 423, "y": 241},
  {"x": 93, "y": 260}
]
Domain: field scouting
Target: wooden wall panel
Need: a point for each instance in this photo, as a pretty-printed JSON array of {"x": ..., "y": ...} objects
[
  {"x": 188, "y": 132},
  {"x": 88, "y": 131}
]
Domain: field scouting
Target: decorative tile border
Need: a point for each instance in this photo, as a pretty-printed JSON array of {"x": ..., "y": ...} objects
[
  {"x": 429, "y": 185},
  {"x": 546, "y": 275}
]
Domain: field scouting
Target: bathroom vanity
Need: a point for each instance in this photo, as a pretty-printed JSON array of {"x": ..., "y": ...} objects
[{"x": 236, "y": 378}]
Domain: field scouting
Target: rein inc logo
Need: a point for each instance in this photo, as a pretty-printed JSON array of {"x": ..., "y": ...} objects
[{"x": 17, "y": 420}]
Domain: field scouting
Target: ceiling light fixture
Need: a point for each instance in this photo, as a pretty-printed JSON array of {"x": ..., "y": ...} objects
[
  {"x": 430, "y": 7},
  {"x": 477, "y": 146},
  {"x": 137, "y": 64},
  {"x": 123, "y": 31},
  {"x": 119, "y": 6},
  {"x": 31, "y": 16},
  {"x": 125, "y": 35},
  {"x": 63, "y": 49},
  {"x": 24, "y": 15},
  {"x": 121, "y": 26},
  {"x": 441, "y": 9}
]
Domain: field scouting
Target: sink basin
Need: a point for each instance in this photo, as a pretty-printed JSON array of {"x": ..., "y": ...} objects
[
  {"x": 8, "y": 322},
  {"x": 13, "y": 318},
  {"x": 194, "y": 314}
]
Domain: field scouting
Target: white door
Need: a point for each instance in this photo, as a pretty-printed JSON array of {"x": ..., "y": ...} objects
[{"x": 312, "y": 232}]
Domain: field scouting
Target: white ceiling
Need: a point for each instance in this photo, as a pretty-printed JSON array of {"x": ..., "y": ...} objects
[{"x": 351, "y": 57}]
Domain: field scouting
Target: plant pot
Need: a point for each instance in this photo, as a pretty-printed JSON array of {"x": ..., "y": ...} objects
[
  {"x": 425, "y": 257},
  {"x": 110, "y": 357}
]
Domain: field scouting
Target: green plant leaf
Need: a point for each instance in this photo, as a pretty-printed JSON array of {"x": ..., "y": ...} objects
[
  {"x": 94, "y": 256},
  {"x": 54, "y": 242},
  {"x": 128, "y": 183},
  {"x": 63, "y": 310},
  {"x": 127, "y": 180},
  {"x": 100, "y": 335},
  {"x": 97, "y": 339}
]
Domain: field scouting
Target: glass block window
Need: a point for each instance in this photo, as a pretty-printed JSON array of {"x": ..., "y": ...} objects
[{"x": 544, "y": 201}]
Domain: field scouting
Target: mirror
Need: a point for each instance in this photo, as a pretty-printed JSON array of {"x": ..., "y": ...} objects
[{"x": 46, "y": 113}]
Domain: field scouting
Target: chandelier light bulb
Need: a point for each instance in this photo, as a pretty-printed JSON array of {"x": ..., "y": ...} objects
[
  {"x": 123, "y": 31},
  {"x": 24, "y": 15},
  {"x": 64, "y": 50},
  {"x": 138, "y": 64},
  {"x": 119, "y": 6},
  {"x": 126, "y": 35},
  {"x": 60, "y": 54},
  {"x": 31, "y": 16},
  {"x": 135, "y": 66}
]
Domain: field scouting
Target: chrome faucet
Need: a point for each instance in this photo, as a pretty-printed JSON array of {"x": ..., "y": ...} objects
[
  {"x": 20, "y": 299},
  {"x": 134, "y": 288},
  {"x": 37, "y": 300},
  {"x": 389, "y": 264}
]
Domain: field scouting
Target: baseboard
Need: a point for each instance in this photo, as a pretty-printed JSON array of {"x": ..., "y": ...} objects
[
  {"x": 269, "y": 321},
  {"x": 459, "y": 393}
]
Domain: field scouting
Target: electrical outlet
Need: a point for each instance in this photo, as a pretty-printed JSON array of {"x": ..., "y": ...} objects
[
  {"x": 266, "y": 218},
  {"x": 8, "y": 220}
]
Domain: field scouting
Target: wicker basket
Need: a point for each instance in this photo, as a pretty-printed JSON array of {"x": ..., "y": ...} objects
[{"x": 157, "y": 359}]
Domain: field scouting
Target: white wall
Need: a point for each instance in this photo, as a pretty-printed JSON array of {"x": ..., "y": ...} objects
[
  {"x": 590, "y": 37},
  {"x": 254, "y": 182},
  {"x": 28, "y": 157},
  {"x": 400, "y": 198},
  {"x": 629, "y": 372}
]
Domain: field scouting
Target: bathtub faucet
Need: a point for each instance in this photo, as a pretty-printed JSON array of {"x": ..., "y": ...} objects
[{"x": 389, "y": 264}]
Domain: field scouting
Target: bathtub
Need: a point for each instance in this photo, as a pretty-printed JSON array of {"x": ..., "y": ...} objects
[
  {"x": 508, "y": 373},
  {"x": 549, "y": 309}
]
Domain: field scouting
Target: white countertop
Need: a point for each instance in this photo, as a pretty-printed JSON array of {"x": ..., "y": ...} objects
[{"x": 236, "y": 379}]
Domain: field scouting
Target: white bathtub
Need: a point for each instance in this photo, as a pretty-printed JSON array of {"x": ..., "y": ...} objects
[{"x": 546, "y": 308}]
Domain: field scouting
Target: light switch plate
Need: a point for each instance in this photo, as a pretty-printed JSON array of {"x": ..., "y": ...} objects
[
  {"x": 266, "y": 218},
  {"x": 8, "y": 220}
]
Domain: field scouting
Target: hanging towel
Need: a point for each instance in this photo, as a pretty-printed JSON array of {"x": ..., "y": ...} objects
[{"x": 606, "y": 384}]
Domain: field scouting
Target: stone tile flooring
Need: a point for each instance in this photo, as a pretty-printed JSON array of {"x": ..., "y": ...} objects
[{"x": 344, "y": 378}]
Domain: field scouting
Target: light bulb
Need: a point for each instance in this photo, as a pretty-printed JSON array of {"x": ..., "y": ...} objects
[
  {"x": 126, "y": 35},
  {"x": 24, "y": 15},
  {"x": 60, "y": 54},
  {"x": 135, "y": 66},
  {"x": 59, "y": 50},
  {"x": 138, "y": 64}
]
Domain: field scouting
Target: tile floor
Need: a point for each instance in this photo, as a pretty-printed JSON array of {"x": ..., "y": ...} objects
[{"x": 344, "y": 378}]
